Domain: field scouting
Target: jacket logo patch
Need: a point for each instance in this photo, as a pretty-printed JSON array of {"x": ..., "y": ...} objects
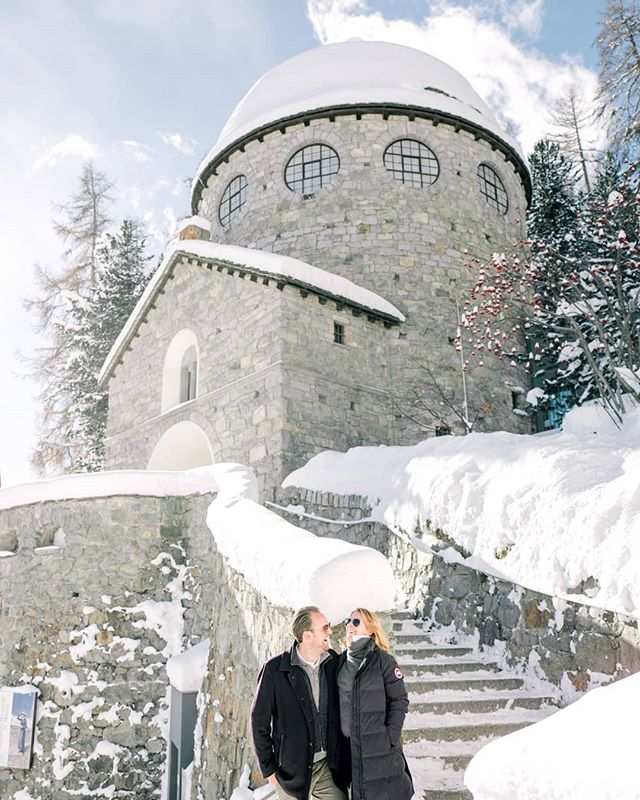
[{"x": 398, "y": 674}]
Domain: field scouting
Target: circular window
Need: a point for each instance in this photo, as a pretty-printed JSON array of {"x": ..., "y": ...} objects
[
  {"x": 311, "y": 168},
  {"x": 233, "y": 199},
  {"x": 492, "y": 188},
  {"x": 412, "y": 162}
]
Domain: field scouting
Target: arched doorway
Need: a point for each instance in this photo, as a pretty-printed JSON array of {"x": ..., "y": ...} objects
[{"x": 183, "y": 446}]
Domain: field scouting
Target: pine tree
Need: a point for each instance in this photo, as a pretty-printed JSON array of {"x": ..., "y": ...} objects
[
  {"x": 579, "y": 299},
  {"x": 81, "y": 222},
  {"x": 122, "y": 273},
  {"x": 619, "y": 52}
]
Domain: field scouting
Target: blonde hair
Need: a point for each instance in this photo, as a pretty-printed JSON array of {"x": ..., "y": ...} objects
[{"x": 372, "y": 621}]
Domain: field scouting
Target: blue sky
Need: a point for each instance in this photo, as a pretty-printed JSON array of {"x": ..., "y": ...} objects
[{"x": 143, "y": 88}]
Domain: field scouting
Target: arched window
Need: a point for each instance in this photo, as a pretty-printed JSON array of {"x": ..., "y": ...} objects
[
  {"x": 233, "y": 198},
  {"x": 180, "y": 372},
  {"x": 412, "y": 162},
  {"x": 311, "y": 168},
  {"x": 188, "y": 375},
  {"x": 492, "y": 188}
]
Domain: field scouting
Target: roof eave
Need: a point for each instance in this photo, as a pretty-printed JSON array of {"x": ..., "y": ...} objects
[{"x": 356, "y": 109}]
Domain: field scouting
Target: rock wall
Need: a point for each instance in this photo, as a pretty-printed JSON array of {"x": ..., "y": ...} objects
[
  {"x": 571, "y": 644},
  {"x": 95, "y": 595}
]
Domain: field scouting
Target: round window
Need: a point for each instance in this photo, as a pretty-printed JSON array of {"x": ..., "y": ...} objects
[
  {"x": 311, "y": 168},
  {"x": 492, "y": 188},
  {"x": 233, "y": 198},
  {"x": 412, "y": 162}
]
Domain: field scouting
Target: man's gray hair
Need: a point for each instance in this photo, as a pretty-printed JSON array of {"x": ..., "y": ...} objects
[{"x": 302, "y": 621}]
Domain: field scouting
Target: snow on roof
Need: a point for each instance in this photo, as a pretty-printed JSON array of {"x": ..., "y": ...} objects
[
  {"x": 272, "y": 264},
  {"x": 547, "y": 511},
  {"x": 186, "y": 670},
  {"x": 350, "y": 73},
  {"x": 587, "y": 750}
]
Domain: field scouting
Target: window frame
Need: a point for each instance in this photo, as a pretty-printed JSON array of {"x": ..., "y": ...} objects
[
  {"x": 492, "y": 197},
  {"x": 231, "y": 213},
  {"x": 425, "y": 177},
  {"x": 302, "y": 177}
]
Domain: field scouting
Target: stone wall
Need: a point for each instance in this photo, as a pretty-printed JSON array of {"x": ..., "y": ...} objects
[
  {"x": 408, "y": 244},
  {"x": 95, "y": 597},
  {"x": 569, "y": 643}
]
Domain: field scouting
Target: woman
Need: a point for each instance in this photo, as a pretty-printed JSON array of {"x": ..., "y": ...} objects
[{"x": 373, "y": 705}]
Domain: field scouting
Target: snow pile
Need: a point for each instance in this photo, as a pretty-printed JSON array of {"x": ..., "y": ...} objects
[
  {"x": 549, "y": 512},
  {"x": 587, "y": 750},
  {"x": 186, "y": 670},
  {"x": 294, "y": 568}
]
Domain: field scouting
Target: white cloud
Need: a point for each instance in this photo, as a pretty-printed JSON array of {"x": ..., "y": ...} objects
[
  {"x": 136, "y": 150},
  {"x": 182, "y": 143},
  {"x": 520, "y": 84},
  {"x": 524, "y": 15},
  {"x": 72, "y": 145}
]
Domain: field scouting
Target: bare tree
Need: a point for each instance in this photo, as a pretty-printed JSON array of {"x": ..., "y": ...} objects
[
  {"x": 80, "y": 224},
  {"x": 619, "y": 50},
  {"x": 573, "y": 115}
]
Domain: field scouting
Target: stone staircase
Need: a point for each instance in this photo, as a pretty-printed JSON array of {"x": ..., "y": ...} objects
[{"x": 459, "y": 701}]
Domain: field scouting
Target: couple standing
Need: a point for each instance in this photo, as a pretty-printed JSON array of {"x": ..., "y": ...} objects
[{"x": 321, "y": 721}]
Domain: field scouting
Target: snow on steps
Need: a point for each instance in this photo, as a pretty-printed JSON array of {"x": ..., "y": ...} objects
[{"x": 459, "y": 701}]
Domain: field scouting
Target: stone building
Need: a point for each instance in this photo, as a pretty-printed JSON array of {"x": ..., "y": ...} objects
[{"x": 316, "y": 286}]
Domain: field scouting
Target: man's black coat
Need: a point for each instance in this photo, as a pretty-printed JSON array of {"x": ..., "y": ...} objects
[{"x": 282, "y": 725}]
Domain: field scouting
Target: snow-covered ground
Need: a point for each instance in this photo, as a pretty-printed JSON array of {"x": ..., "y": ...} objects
[
  {"x": 586, "y": 751},
  {"x": 548, "y": 511}
]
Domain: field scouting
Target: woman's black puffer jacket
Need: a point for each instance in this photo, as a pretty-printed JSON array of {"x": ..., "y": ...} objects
[{"x": 379, "y": 705}]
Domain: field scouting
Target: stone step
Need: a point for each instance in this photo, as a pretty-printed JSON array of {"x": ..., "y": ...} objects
[
  {"x": 476, "y": 703},
  {"x": 461, "y": 681},
  {"x": 462, "y": 732},
  {"x": 446, "y": 666},
  {"x": 431, "y": 650},
  {"x": 447, "y": 794}
]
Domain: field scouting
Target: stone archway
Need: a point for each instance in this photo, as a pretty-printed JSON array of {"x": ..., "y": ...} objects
[{"x": 183, "y": 446}]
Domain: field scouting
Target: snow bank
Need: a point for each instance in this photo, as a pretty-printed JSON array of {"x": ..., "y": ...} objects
[
  {"x": 237, "y": 480},
  {"x": 267, "y": 263},
  {"x": 294, "y": 568},
  {"x": 546, "y": 511},
  {"x": 186, "y": 670},
  {"x": 587, "y": 750}
]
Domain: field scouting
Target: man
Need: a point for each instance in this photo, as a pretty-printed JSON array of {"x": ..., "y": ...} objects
[{"x": 295, "y": 720}]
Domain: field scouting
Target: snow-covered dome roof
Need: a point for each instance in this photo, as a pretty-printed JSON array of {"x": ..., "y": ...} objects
[{"x": 353, "y": 73}]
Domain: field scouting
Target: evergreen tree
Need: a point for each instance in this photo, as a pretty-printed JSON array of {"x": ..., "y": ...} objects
[
  {"x": 122, "y": 273},
  {"x": 579, "y": 298},
  {"x": 81, "y": 222}
]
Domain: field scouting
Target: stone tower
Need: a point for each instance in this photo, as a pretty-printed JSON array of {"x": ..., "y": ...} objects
[{"x": 315, "y": 289}]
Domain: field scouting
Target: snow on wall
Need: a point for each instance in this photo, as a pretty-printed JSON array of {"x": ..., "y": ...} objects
[
  {"x": 587, "y": 750},
  {"x": 269, "y": 263},
  {"x": 548, "y": 511}
]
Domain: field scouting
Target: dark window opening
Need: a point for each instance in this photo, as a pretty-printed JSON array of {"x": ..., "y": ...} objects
[
  {"x": 492, "y": 188},
  {"x": 188, "y": 375},
  {"x": 233, "y": 198},
  {"x": 311, "y": 168},
  {"x": 412, "y": 163},
  {"x": 338, "y": 333}
]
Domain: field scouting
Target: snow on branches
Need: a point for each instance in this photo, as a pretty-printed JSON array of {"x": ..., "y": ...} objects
[{"x": 568, "y": 306}]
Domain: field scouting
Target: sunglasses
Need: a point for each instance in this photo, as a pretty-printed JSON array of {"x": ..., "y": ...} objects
[{"x": 352, "y": 621}]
